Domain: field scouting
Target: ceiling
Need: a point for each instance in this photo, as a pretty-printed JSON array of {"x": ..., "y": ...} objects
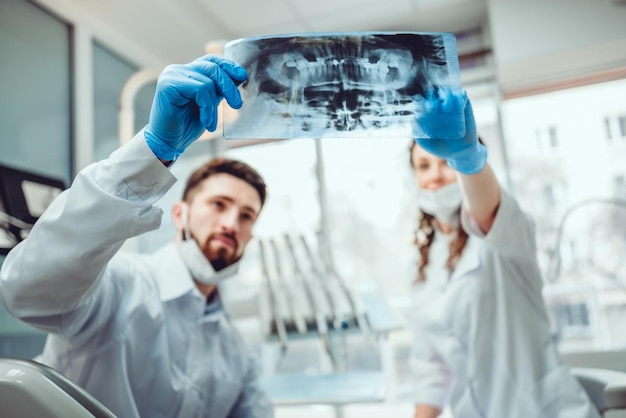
[{"x": 174, "y": 31}]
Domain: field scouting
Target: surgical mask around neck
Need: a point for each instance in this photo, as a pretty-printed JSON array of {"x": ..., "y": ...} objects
[
  {"x": 443, "y": 203},
  {"x": 196, "y": 262}
]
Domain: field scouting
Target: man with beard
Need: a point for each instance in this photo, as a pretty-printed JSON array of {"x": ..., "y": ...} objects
[{"x": 147, "y": 334}]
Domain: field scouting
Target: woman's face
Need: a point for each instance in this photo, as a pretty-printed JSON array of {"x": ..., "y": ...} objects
[{"x": 430, "y": 172}]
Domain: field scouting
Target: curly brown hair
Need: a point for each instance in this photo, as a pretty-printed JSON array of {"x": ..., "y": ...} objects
[
  {"x": 425, "y": 234},
  {"x": 235, "y": 168}
]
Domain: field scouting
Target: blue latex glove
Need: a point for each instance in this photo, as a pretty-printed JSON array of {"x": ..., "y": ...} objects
[
  {"x": 446, "y": 137},
  {"x": 186, "y": 101}
]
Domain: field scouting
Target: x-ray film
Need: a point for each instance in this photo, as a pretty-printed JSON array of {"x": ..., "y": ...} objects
[{"x": 355, "y": 84}]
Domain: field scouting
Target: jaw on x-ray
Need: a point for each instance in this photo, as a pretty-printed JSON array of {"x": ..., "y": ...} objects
[{"x": 370, "y": 84}]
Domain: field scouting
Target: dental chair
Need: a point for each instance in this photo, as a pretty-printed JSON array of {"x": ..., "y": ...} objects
[
  {"x": 606, "y": 388},
  {"x": 31, "y": 389}
]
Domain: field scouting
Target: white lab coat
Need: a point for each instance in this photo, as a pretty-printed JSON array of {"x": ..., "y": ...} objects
[
  {"x": 132, "y": 330},
  {"x": 482, "y": 337}
]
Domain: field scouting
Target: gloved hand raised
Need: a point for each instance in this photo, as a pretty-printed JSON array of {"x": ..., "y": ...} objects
[
  {"x": 444, "y": 133},
  {"x": 186, "y": 101}
]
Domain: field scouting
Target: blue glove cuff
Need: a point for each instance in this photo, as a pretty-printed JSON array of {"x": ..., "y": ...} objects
[
  {"x": 470, "y": 160},
  {"x": 159, "y": 148}
]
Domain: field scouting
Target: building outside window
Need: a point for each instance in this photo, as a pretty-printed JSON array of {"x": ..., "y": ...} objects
[{"x": 587, "y": 216}]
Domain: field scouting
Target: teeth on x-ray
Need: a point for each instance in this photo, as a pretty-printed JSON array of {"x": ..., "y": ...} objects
[{"x": 339, "y": 84}]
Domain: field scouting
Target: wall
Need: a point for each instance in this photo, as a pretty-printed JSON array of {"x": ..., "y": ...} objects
[
  {"x": 539, "y": 42},
  {"x": 86, "y": 29}
]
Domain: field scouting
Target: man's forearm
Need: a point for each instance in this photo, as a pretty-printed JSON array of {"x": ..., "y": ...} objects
[{"x": 70, "y": 245}]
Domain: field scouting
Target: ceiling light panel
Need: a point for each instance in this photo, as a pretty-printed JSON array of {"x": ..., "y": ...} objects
[
  {"x": 370, "y": 16},
  {"x": 347, "y": 8},
  {"x": 438, "y": 4},
  {"x": 248, "y": 17}
]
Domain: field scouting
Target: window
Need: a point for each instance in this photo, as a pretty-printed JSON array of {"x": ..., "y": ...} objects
[
  {"x": 615, "y": 127},
  {"x": 572, "y": 317},
  {"x": 607, "y": 127},
  {"x": 578, "y": 183},
  {"x": 292, "y": 207},
  {"x": 581, "y": 163},
  {"x": 547, "y": 138},
  {"x": 289, "y": 169},
  {"x": 110, "y": 74},
  {"x": 554, "y": 194},
  {"x": 619, "y": 185},
  {"x": 38, "y": 118},
  {"x": 621, "y": 123}
]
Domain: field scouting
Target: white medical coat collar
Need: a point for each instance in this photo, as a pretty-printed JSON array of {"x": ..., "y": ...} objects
[{"x": 172, "y": 276}]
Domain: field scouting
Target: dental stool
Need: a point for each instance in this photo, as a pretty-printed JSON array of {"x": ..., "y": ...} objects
[{"x": 606, "y": 388}]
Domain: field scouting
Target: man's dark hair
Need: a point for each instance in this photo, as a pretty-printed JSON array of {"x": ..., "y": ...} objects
[{"x": 235, "y": 168}]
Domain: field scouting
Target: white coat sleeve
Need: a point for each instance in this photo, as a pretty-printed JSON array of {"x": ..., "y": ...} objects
[
  {"x": 513, "y": 237},
  {"x": 510, "y": 217},
  {"x": 60, "y": 262}
]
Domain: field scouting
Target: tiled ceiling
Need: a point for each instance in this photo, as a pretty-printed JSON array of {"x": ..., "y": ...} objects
[{"x": 178, "y": 30}]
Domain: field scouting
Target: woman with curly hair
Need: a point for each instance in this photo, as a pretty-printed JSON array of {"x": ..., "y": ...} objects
[{"x": 482, "y": 344}]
